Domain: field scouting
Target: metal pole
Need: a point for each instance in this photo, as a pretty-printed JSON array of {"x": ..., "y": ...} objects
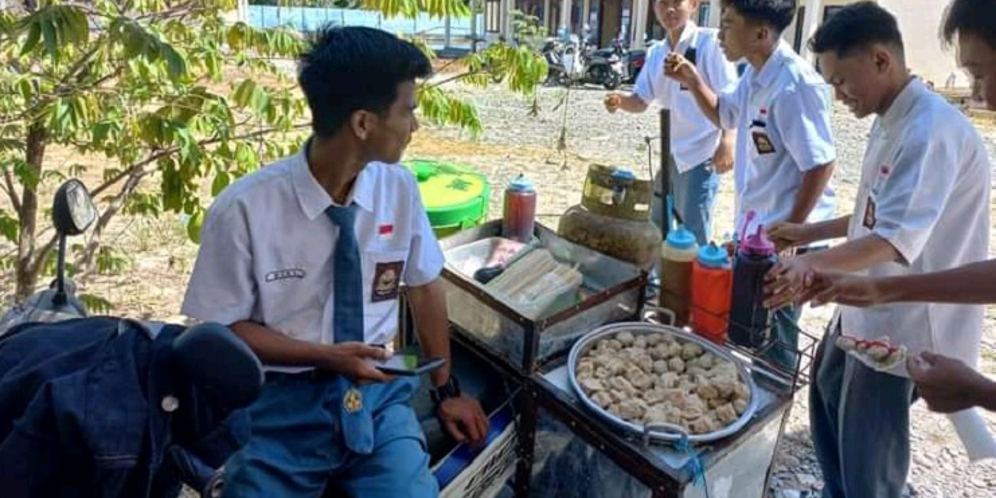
[{"x": 665, "y": 171}]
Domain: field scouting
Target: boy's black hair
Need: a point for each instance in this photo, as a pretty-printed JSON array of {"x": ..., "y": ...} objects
[
  {"x": 778, "y": 14},
  {"x": 353, "y": 68},
  {"x": 970, "y": 16},
  {"x": 856, "y": 27}
]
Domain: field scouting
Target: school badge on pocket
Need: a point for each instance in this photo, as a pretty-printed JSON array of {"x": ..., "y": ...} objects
[{"x": 386, "y": 281}]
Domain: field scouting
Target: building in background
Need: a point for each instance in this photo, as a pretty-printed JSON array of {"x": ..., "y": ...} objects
[
  {"x": 919, "y": 21},
  {"x": 633, "y": 21}
]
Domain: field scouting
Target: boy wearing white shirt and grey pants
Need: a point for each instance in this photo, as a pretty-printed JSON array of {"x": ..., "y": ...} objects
[
  {"x": 781, "y": 110},
  {"x": 700, "y": 151},
  {"x": 922, "y": 206}
]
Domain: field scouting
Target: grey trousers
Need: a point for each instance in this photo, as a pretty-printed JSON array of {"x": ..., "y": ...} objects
[{"x": 860, "y": 422}]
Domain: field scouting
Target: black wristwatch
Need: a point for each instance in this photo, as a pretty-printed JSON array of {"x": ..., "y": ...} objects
[{"x": 451, "y": 389}]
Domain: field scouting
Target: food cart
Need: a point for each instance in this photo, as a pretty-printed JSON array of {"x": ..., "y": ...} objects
[
  {"x": 567, "y": 444},
  {"x": 564, "y": 444}
]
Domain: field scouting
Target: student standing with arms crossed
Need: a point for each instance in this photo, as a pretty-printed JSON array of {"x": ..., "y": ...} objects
[
  {"x": 784, "y": 157},
  {"x": 922, "y": 205},
  {"x": 946, "y": 384},
  {"x": 700, "y": 151}
]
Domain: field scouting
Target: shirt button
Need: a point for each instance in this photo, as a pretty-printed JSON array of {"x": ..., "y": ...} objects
[{"x": 169, "y": 404}]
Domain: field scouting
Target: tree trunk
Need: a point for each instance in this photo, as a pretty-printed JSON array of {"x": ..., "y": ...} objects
[{"x": 28, "y": 266}]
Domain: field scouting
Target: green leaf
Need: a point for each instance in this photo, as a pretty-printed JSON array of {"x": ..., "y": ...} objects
[
  {"x": 96, "y": 305},
  {"x": 34, "y": 36},
  {"x": 9, "y": 227},
  {"x": 111, "y": 262},
  {"x": 221, "y": 180},
  {"x": 194, "y": 225}
]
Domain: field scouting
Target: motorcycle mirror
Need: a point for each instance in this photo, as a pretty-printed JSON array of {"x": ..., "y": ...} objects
[{"x": 73, "y": 210}]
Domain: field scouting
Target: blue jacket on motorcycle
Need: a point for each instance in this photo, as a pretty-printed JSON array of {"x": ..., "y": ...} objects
[{"x": 95, "y": 407}]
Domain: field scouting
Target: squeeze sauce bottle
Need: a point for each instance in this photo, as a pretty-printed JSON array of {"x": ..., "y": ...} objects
[
  {"x": 755, "y": 256},
  {"x": 712, "y": 285}
]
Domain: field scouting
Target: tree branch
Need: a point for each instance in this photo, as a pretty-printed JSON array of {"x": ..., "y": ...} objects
[
  {"x": 11, "y": 190},
  {"x": 456, "y": 78},
  {"x": 172, "y": 150},
  {"x": 117, "y": 202},
  {"x": 42, "y": 254}
]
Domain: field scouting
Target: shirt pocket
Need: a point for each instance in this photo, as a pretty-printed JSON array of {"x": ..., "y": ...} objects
[{"x": 382, "y": 274}]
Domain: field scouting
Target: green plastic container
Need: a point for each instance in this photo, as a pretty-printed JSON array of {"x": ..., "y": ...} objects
[{"x": 455, "y": 197}]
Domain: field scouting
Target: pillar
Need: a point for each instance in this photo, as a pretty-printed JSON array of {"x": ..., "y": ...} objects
[
  {"x": 810, "y": 23},
  {"x": 565, "y": 15},
  {"x": 506, "y": 19},
  {"x": 715, "y": 12},
  {"x": 641, "y": 8},
  {"x": 546, "y": 18}
]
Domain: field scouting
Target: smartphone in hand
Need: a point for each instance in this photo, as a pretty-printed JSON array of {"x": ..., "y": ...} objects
[{"x": 408, "y": 364}]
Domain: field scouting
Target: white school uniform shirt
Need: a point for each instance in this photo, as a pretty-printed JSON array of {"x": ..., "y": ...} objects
[
  {"x": 693, "y": 137},
  {"x": 782, "y": 117},
  {"x": 266, "y": 252},
  {"x": 924, "y": 188}
]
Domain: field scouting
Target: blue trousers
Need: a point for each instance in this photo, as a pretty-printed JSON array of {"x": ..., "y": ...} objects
[
  {"x": 297, "y": 444},
  {"x": 785, "y": 331},
  {"x": 860, "y": 422},
  {"x": 694, "y": 193}
]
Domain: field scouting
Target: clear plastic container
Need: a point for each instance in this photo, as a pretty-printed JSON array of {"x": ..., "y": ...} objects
[{"x": 613, "y": 217}]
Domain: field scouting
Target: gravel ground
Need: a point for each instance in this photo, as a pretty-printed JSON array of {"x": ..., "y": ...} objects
[{"x": 516, "y": 141}]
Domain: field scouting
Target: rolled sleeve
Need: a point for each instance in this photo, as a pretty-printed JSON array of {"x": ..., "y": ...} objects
[
  {"x": 729, "y": 102},
  {"x": 914, "y": 196},
  {"x": 222, "y": 288},
  {"x": 803, "y": 118},
  {"x": 425, "y": 258}
]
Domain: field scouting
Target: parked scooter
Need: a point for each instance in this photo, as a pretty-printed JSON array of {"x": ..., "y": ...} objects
[
  {"x": 570, "y": 64},
  {"x": 170, "y": 397}
]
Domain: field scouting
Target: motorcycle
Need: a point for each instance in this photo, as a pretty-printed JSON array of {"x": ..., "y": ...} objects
[
  {"x": 170, "y": 397},
  {"x": 570, "y": 63}
]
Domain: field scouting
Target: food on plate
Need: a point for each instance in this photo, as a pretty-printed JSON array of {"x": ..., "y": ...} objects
[
  {"x": 878, "y": 354},
  {"x": 659, "y": 378}
]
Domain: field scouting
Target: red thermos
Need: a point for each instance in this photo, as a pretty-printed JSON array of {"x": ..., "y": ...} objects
[{"x": 519, "y": 215}]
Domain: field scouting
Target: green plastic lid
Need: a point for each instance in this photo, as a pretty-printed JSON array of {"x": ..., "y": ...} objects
[{"x": 452, "y": 195}]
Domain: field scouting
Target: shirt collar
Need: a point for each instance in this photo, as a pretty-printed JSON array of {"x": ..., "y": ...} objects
[
  {"x": 314, "y": 200},
  {"x": 686, "y": 34},
  {"x": 903, "y": 102},
  {"x": 766, "y": 76}
]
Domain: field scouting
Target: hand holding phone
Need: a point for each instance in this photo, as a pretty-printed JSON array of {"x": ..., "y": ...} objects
[{"x": 408, "y": 364}]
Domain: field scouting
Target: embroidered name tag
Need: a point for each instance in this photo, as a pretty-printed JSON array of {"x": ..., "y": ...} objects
[
  {"x": 386, "y": 281},
  {"x": 274, "y": 276}
]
